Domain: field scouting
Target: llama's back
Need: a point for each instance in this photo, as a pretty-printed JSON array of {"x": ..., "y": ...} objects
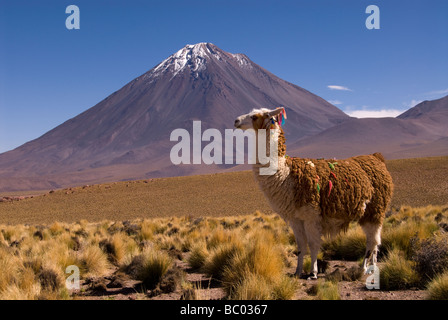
[
  {"x": 340, "y": 189},
  {"x": 354, "y": 189},
  {"x": 351, "y": 189}
]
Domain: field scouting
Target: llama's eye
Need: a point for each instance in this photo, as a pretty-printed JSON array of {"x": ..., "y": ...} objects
[{"x": 254, "y": 118}]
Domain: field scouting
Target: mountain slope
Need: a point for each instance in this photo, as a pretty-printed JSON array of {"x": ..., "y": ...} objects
[
  {"x": 126, "y": 136},
  {"x": 433, "y": 114},
  {"x": 419, "y": 132}
]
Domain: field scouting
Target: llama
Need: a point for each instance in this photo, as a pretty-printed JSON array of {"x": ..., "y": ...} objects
[{"x": 319, "y": 197}]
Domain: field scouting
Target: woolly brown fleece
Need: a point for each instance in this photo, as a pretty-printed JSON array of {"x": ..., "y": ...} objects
[{"x": 357, "y": 188}]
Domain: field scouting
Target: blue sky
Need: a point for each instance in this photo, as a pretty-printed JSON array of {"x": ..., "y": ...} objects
[{"x": 49, "y": 74}]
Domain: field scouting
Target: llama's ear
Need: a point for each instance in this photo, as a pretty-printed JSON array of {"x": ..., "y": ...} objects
[{"x": 276, "y": 112}]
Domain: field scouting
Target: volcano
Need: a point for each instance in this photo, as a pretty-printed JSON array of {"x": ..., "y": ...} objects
[{"x": 127, "y": 135}]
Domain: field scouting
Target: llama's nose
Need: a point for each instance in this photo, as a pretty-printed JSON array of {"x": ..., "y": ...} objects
[{"x": 237, "y": 123}]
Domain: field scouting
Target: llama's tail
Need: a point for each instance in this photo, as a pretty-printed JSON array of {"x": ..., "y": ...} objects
[{"x": 379, "y": 156}]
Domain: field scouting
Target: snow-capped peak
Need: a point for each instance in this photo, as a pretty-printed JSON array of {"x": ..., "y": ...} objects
[
  {"x": 199, "y": 49},
  {"x": 195, "y": 57}
]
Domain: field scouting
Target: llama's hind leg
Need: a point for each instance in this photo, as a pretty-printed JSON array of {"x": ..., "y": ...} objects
[
  {"x": 313, "y": 234},
  {"x": 299, "y": 235},
  {"x": 373, "y": 240}
]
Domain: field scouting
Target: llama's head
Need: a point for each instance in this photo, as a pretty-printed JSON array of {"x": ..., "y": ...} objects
[{"x": 260, "y": 119}]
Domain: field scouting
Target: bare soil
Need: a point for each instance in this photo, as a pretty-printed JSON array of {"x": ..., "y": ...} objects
[{"x": 107, "y": 288}]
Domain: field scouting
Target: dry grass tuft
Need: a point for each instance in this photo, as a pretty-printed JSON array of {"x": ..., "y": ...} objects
[
  {"x": 151, "y": 267},
  {"x": 325, "y": 290},
  {"x": 93, "y": 262},
  {"x": 198, "y": 256},
  {"x": 430, "y": 256},
  {"x": 398, "y": 273},
  {"x": 221, "y": 257},
  {"x": 438, "y": 288},
  {"x": 349, "y": 246}
]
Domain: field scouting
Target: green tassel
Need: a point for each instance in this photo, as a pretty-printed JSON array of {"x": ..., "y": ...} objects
[
  {"x": 318, "y": 188},
  {"x": 332, "y": 165}
]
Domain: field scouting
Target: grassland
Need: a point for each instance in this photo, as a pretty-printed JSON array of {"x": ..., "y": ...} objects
[
  {"x": 418, "y": 182},
  {"x": 239, "y": 257},
  {"x": 214, "y": 236}
]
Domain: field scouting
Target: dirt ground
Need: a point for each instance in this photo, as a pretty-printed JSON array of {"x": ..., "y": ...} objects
[{"x": 119, "y": 286}]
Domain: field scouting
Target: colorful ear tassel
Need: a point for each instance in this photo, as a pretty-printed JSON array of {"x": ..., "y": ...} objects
[{"x": 282, "y": 117}]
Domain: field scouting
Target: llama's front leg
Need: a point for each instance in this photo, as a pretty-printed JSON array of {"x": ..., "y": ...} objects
[
  {"x": 299, "y": 235},
  {"x": 370, "y": 257}
]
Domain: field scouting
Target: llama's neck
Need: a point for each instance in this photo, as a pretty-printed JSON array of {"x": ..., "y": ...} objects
[
  {"x": 283, "y": 169},
  {"x": 277, "y": 186},
  {"x": 281, "y": 144}
]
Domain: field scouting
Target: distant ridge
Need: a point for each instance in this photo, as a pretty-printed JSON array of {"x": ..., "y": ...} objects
[{"x": 422, "y": 131}]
